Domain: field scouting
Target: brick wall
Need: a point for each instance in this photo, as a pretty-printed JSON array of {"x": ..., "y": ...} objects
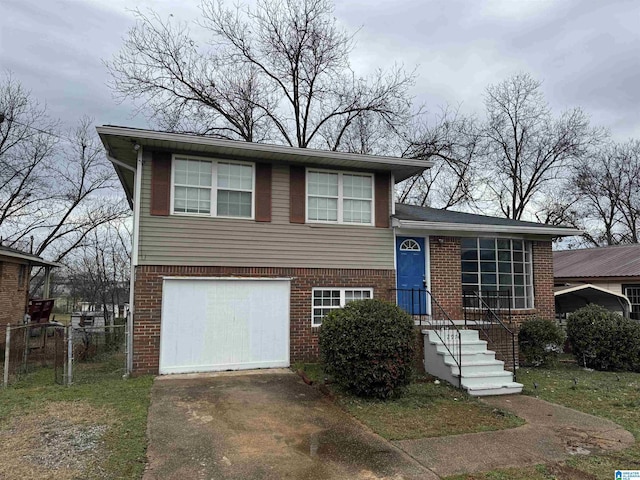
[
  {"x": 446, "y": 274},
  {"x": 446, "y": 284},
  {"x": 13, "y": 298},
  {"x": 304, "y": 338}
]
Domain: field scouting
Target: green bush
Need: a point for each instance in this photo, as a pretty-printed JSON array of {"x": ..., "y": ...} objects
[
  {"x": 540, "y": 342},
  {"x": 368, "y": 348},
  {"x": 604, "y": 340}
]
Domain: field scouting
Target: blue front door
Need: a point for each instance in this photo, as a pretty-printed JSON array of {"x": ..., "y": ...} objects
[{"x": 411, "y": 275}]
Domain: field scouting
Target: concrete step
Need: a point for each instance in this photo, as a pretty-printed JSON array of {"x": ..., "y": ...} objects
[
  {"x": 485, "y": 356},
  {"x": 467, "y": 346},
  {"x": 487, "y": 389},
  {"x": 452, "y": 334},
  {"x": 490, "y": 378},
  {"x": 477, "y": 366}
]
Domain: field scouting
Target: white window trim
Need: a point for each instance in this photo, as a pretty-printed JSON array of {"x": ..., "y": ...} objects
[
  {"x": 340, "y": 197},
  {"x": 526, "y": 243},
  {"x": 214, "y": 187},
  {"x": 342, "y": 298}
]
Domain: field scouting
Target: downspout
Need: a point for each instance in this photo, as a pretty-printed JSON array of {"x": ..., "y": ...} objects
[
  {"x": 137, "y": 183},
  {"x": 134, "y": 256}
]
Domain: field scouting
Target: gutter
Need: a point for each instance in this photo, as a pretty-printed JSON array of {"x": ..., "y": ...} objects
[{"x": 471, "y": 227}]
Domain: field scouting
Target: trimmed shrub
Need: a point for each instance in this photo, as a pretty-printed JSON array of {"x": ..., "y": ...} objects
[
  {"x": 604, "y": 340},
  {"x": 368, "y": 348},
  {"x": 540, "y": 342}
]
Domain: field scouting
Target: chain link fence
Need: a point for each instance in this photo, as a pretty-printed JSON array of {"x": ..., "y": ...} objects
[{"x": 62, "y": 354}]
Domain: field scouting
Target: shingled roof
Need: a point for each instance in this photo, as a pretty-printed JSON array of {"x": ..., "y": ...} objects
[
  {"x": 413, "y": 215},
  {"x": 616, "y": 261}
]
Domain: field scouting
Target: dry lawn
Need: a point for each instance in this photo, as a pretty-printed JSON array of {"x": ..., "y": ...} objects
[{"x": 63, "y": 440}]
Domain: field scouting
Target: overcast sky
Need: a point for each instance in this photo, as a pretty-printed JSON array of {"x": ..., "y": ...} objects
[{"x": 587, "y": 52}]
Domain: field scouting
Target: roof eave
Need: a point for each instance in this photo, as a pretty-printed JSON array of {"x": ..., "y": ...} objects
[
  {"x": 401, "y": 168},
  {"x": 472, "y": 227},
  {"x": 32, "y": 259}
]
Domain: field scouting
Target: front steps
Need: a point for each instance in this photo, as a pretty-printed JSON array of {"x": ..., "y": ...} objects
[{"x": 482, "y": 374}]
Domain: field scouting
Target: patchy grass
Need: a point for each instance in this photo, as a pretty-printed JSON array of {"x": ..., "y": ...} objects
[
  {"x": 425, "y": 410},
  {"x": 615, "y": 396},
  {"x": 95, "y": 429}
]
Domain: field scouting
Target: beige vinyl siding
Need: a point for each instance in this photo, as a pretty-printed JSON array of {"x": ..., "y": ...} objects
[{"x": 188, "y": 240}]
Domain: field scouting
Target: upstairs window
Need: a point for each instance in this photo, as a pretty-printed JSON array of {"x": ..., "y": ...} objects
[
  {"x": 498, "y": 264},
  {"x": 339, "y": 197},
  {"x": 212, "y": 188}
]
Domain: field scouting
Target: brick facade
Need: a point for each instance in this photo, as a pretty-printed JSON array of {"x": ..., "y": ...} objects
[
  {"x": 446, "y": 275},
  {"x": 303, "y": 338},
  {"x": 13, "y": 297}
]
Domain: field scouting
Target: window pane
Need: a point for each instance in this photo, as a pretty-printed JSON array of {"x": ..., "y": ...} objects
[
  {"x": 324, "y": 209},
  {"x": 357, "y": 211},
  {"x": 235, "y": 176},
  {"x": 504, "y": 267},
  {"x": 356, "y": 186},
  {"x": 488, "y": 243},
  {"x": 487, "y": 254},
  {"x": 234, "y": 204},
  {"x": 469, "y": 266},
  {"x": 192, "y": 200},
  {"x": 324, "y": 184},
  {"x": 487, "y": 266},
  {"x": 488, "y": 280},
  {"x": 517, "y": 244},
  {"x": 504, "y": 244},
  {"x": 469, "y": 278},
  {"x": 504, "y": 256},
  {"x": 505, "y": 280},
  {"x": 195, "y": 173},
  {"x": 469, "y": 254},
  {"x": 517, "y": 256},
  {"x": 469, "y": 243}
]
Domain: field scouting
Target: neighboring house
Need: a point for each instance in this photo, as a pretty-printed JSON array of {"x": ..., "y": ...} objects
[
  {"x": 240, "y": 249},
  {"x": 15, "y": 273},
  {"x": 607, "y": 276}
]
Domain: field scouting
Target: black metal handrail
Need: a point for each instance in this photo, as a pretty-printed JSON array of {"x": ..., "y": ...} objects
[
  {"x": 487, "y": 309},
  {"x": 414, "y": 302}
]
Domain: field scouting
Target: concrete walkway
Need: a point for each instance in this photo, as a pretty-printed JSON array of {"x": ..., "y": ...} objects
[{"x": 552, "y": 434}]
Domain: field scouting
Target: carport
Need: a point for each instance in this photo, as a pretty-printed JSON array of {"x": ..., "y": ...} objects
[{"x": 570, "y": 298}]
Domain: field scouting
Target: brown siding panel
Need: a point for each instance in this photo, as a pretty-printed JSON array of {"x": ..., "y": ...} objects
[
  {"x": 297, "y": 194},
  {"x": 160, "y": 183},
  {"x": 263, "y": 192},
  {"x": 383, "y": 189},
  {"x": 203, "y": 240}
]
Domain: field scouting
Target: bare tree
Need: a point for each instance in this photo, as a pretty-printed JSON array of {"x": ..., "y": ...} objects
[
  {"x": 527, "y": 148},
  {"x": 452, "y": 142},
  {"x": 276, "y": 72},
  {"x": 608, "y": 188},
  {"x": 98, "y": 272},
  {"x": 56, "y": 187}
]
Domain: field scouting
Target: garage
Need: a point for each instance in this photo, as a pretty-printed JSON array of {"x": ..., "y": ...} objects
[{"x": 224, "y": 324}]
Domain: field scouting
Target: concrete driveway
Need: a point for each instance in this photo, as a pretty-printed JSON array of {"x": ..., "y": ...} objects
[{"x": 262, "y": 426}]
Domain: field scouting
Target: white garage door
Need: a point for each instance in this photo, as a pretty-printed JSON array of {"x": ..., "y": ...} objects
[{"x": 224, "y": 324}]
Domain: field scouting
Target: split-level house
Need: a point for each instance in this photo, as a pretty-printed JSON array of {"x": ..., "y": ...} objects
[{"x": 240, "y": 249}]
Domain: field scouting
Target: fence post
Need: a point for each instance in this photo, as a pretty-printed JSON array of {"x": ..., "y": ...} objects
[
  {"x": 69, "y": 354},
  {"x": 7, "y": 351}
]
